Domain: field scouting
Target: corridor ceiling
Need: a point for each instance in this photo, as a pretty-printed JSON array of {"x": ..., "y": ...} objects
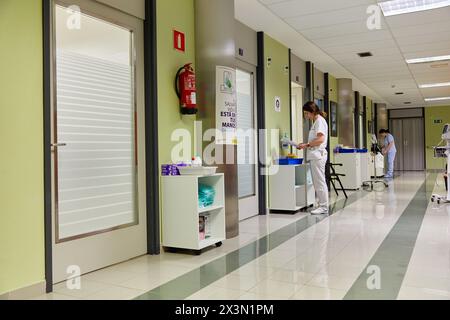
[{"x": 340, "y": 30}]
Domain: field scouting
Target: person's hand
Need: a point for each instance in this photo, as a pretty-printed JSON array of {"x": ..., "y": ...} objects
[{"x": 302, "y": 146}]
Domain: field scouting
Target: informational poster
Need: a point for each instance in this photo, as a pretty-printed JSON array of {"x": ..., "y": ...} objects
[
  {"x": 334, "y": 119},
  {"x": 226, "y": 105}
]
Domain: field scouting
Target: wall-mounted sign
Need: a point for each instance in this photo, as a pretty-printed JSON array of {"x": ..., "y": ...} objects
[
  {"x": 277, "y": 104},
  {"x": 179, "y": 41},
  {"x": 226, "y": 105},
  {"x": 438, "y": 121}
]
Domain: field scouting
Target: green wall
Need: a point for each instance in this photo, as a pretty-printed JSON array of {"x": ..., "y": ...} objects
[
  {"x": 21, "y": 138},
  {"x": 169, "y": 61},
  {"x": 334, "y": 97},
  {"x": 277, "y": 85},
  {"x": 433, "y": 133}
]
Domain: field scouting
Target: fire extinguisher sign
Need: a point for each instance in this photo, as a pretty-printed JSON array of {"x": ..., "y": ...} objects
[
  {"x": 226, "y": 105},
  {"x": 179, "y": 41}
]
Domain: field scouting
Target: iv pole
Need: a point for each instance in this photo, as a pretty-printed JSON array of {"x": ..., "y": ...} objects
[{"x": 375, "y": 179}]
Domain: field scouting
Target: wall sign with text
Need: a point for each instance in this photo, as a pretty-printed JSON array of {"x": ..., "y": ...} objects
[{"x": 226, "y": 105}]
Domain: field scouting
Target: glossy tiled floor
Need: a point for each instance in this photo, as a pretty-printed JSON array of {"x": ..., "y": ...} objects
[{"x": 396, "y": 231}]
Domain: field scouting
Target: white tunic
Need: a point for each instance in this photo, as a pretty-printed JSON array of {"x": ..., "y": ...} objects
[{"x": 319, "y": 126}]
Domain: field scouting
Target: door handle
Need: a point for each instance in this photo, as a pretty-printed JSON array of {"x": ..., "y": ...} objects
[{"x": 57, "y": 145}]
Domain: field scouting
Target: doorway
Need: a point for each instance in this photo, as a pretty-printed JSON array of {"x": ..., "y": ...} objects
[
  {"x": 409, "y": 137},
  {"x": 297, "y": 116},
  {"x": 98, "y": 138},
  {"x": 247, "y": 141}
]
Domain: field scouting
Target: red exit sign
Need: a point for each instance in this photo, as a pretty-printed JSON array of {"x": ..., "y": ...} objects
[{"x": 179, "y": 41}]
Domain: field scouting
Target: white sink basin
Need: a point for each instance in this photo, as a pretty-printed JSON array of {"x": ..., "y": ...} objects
[{"x": 197, "y": 171}]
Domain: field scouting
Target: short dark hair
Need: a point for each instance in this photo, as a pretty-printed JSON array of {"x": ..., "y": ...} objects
[{"x": 384, "y": 131}]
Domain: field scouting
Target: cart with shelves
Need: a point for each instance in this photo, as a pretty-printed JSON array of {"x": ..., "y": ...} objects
[
  {"x": 291, "y": 189},
  {"x": 181, "y": 212},
  {"x": 351, "y": 168}
]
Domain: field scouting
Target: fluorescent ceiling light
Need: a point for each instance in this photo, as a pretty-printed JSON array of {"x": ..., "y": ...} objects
[
  {"x": 437, "y": 99},
  {"x": 434, "y": 85},
  {"x": 428, "y": 59},
  {"x": 395, "y": 7}
]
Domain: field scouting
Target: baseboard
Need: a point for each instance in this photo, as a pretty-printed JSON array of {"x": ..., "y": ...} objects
[{"x": 25, "y": 293}]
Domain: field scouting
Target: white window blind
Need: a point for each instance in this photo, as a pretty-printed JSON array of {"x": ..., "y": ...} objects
[
  {"x": 95, "y": 121},
  {"x": 246, "y": 140}
]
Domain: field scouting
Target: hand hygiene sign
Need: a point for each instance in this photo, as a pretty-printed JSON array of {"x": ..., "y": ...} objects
[{"x": 226, "y": 105}]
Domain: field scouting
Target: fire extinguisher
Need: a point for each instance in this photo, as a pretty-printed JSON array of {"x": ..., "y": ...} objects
[{"x": 185, "y": 88}]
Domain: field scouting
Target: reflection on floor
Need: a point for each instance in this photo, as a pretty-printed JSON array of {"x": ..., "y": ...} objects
[{"x": 358, "y": 252}]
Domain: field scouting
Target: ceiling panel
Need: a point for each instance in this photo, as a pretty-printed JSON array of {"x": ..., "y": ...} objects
[
  {"x": 293, "y": 8},
  {"x": 440, "y": 67},
  {"x": 424, "y": 40},
  {"x": 339, "y": 29},
  {"x": 418, "y": 18},
  {"x": 436, "y": 92},
  {"x": 328, "y": 18},
  {"x": 344, "y": 29},
  {"x": 414, "y": 50},
  {"x": 431, "y": 78},
  {"x": 423, "y": 29},
  {"x": 365, "y": 37}
]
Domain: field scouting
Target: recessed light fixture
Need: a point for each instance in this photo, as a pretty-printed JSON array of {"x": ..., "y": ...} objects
[
  {"x": 428, "y": 59},
  {"x": 365, "y": 54},
  {"x": 434, "y": 85},
  {"x": 395, "y": 7},
  {"x": 437, "y": 99}
]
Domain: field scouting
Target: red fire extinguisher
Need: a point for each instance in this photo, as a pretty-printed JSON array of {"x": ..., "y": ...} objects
[{"x": 185, "y": 88}]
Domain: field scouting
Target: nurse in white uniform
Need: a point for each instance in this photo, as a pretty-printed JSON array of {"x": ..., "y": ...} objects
[{"x": 317, "y": 154}]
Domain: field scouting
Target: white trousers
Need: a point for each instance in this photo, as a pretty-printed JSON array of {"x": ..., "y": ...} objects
[{"x": 320, "y": 182}]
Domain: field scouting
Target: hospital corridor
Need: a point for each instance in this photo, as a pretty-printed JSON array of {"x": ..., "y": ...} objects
[
  {"x": 224, "y": 158},
  {"x": 398, "y": 233}
]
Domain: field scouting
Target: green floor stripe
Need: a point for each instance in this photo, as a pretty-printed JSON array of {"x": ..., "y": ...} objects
[
  {"x": 383, "y": 277},
  {"x": 191, "y": 282}
]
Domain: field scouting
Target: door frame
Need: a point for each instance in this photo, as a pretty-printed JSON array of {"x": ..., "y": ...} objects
[
  {"x": 261, "y": 116},
  {"x": 252, "y": 70},
  {"x": 151, "y": 133},
  {"x": 423, "y": 141},
  {"x": 424, "y": 128}
]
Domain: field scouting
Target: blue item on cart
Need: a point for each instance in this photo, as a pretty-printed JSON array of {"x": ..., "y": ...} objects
[
  {"x": 362, "y": 150},
  {"x": 289, "y": 162},
  {"x": 347, "y": 151},
  {"x": 206, "y": 195}
]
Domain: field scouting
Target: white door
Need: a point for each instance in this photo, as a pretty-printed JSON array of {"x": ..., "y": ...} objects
[
  {"x": 297, "y": 116},
  {"x": 247, "y": 145},
  {"x": 98, "y": 129}
]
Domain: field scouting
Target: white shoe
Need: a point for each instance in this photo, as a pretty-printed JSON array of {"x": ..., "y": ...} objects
[{"x": 319, "y": 211}]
